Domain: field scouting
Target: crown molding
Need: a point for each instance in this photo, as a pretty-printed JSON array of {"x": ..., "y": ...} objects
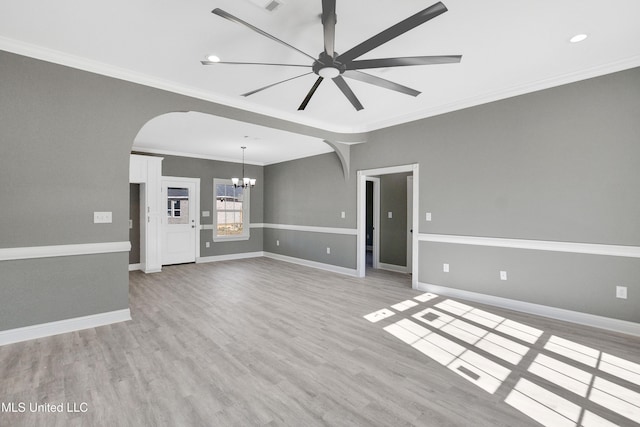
[
  {"x": 74, "y": 61},
  {"x": 510, "y": 92},
  {"x": 80, "y": 63}
]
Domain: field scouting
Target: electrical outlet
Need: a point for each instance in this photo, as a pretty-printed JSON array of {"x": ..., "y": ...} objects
[
  {"x": 130, "y": 224},
  {"x": 277, "y": 242},
  {"x": 428, "y": 216},
  {"x": 445, "y": 268},
  {"x": 205, "y": 214},
  {"x": 343, "y": 214},
  {"x": 503, "y": 275},
  {"x": 328, "y": 250},
  {"x": 621, "y": 292},
  {"x": 389, "y": 214}
]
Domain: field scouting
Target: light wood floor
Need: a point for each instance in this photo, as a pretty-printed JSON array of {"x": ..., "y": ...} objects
[{"x": 262, "y": 342}]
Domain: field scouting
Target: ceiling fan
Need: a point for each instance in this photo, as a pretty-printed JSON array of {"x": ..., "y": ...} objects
[{"x": 332, "y": 65}]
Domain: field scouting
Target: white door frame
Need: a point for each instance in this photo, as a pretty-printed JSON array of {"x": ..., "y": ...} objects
[
  {"x": 410, "y": 224},
  {"x": 147, "y": 171},
  {"x": 361, "y": 245},
  {"x": 376, "y": 220},
  {"x": 196, "y": 197}
]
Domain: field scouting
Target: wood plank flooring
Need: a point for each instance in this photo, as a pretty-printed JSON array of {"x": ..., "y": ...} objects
[{"x": 263, "y": 342}]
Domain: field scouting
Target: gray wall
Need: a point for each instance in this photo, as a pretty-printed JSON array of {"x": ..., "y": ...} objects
[
  {"x": 578, "y": 282},
  {"x": 312, "y": 192},
  {"x": 559, "y": 164},
  {"x": 66, "y": 137},
  {"x": 207, "y": 170},
  {"x": 38, "y": 291},
  {"x": 393, "y": 231},
  {"x": 309, "y": 191},
  {"x": 312, "y": 246}
]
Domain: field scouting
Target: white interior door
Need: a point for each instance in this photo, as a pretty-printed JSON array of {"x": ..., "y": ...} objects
[
  {"x": 410, "y": 224},
  {"x": 179, "y": 225}
]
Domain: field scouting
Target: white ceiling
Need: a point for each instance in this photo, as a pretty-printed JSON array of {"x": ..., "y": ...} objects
[
  {"x": 202, "y": 135},
  {"x": 508, "y": 48}
]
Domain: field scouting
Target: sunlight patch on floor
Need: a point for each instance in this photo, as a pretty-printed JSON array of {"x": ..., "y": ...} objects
[{"x": 472, "y": 342}]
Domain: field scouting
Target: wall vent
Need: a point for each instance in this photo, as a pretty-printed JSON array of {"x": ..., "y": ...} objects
[{"x": 269, "y": 5}]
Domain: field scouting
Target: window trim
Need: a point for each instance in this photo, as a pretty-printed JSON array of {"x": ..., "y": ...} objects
[{"x": 246, "y": 224}]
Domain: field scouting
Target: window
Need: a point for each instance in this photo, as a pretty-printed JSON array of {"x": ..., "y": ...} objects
[
  {"x": 178, "y": 205},
  {"x": 231, "y": 207},
  {"x": 173, "y": 209}
]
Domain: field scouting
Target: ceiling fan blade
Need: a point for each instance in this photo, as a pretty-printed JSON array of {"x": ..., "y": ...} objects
[
  {"x": 310, "y": 94},
  {"x": 403, "y": 62},
  {"x": 393, "y": 32},
  {"x": 329, "y": 20},
  {"x": 251, "y": 63},
  {"x": 374, "y": 80},
  {"x": 344, "y": 87},
  {"x": 230, "y": 17},
  {"x": 274, "y": 84}
]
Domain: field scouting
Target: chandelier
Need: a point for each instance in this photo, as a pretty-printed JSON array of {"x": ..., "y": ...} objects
[{"x": 245, "y": 182}]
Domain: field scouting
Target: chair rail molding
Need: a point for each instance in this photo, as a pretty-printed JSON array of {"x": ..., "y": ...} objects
[{"x": 540, "y": 245}]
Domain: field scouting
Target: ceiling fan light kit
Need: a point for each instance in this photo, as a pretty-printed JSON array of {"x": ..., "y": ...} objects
[{"x": 331, "y": 65}]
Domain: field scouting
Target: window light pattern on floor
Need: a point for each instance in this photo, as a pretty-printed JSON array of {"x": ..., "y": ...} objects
[{"x": 460, "y": 337}]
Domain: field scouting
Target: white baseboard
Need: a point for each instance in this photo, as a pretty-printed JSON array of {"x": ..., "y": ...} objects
[
  {"x": 293, "y": 260},
  {"x": 392, "y": 267},
  {"x": 229, "y": 257},
  {"x": 134, "y": 267},
  {"x": 63, "y": 326},
  {"x": 334, "y": 268},
  {"x": 607, "y": 323}
]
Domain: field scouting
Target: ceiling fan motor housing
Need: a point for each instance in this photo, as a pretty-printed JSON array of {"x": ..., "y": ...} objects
[{"x": 326, "y": 61}]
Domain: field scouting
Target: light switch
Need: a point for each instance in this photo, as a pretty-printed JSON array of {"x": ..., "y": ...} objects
[
  {"x": 102, "y": 217},
  {"x": 389, "y": 214},
  {"x": 621, "y": 292},
  {"x": 328, "y": 250},
  {"x": 503, "y": 275},
  {"x": 343, "y": 214}
]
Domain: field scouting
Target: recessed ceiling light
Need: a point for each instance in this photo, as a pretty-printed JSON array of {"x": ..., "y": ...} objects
[
  {"x": 213, "y": 58},
  {"x": 578, "y": 38}
]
